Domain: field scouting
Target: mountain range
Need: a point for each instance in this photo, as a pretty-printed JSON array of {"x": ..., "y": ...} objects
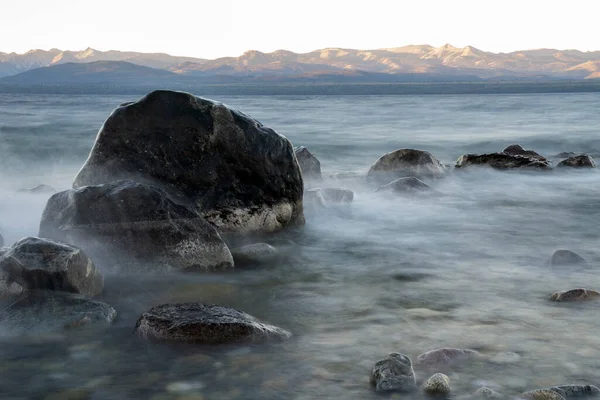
[{"x": 418, "y": 63}]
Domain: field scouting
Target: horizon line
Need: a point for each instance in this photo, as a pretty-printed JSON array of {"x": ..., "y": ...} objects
[{"x": 291, "y": 51}]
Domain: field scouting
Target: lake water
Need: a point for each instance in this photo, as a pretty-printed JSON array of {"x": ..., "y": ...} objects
[{"x": 468, "y": 270}]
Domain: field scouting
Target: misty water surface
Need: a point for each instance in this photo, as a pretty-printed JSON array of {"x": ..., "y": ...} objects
[{"x": 385, "y": 274}]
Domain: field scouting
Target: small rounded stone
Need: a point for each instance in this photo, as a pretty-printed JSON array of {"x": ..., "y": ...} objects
[{"x": 437, "y": 384}]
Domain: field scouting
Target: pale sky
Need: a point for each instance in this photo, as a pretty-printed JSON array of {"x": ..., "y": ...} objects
[{"x": 217, "y": 28}]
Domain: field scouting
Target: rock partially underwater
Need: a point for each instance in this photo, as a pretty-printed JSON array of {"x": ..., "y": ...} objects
[
  {"x": 43, "y": 264},
  {"x": 126, "y": 222},
  {"x": 405, "y": 163},
  {"x": 309, "y": 164},
  {"x": 393, "y": 373},
  {"x": 236, "y": 173},
  {"x": 208, "y": 324},
  {"x": 46, "y": 311}
]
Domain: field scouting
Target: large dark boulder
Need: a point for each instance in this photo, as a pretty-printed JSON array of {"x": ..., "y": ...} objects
[
  {"x": 238, "y": 174},
  {"x": 126, "y": 222},
  {"x": 309, "y": 164},
  {"x": 39, "y": 263},
  {"x": 518, "y": 150},
  {"x": 405, "y": 163},
  {"x": 578, "y": 294},
  {"x": 201, "y": 323},
  {"x": 581, "y": 161},
  {"x": 43, "y": 311},
  {"x": 502, "y": 161}
]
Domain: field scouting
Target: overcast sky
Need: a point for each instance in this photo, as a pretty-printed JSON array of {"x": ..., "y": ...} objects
[{"x": 218, "y": 28}]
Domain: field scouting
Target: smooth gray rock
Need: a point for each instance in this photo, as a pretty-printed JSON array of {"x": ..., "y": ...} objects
[
  {"x": 43, "y": 264},
  {"x": 326, "y": 197},
  {"x": 581, "y": 161},
  {"x": 576, "y": 391},
  {"x": 3, "y": 250},
  {"x": 409, "y": 187},
  {"x": 309, "y": 164},
  {"x": 446, "y": 356},
  {"x": 43, "y": 311},
  {"x": 39, "y": 189},
  {"x": 502, "y": 161},
  {"x": 202, "y": 323},
  {"x": 254, "y": 253},
  {"x": 405, "y": 163},
  {"x": 566, "y": 257},
  {"x": 129, "y": 223},
  {"x": 393, "y": 373},
  {"x": 518, "y": 150},
  {"x": 236, "y": 173}
]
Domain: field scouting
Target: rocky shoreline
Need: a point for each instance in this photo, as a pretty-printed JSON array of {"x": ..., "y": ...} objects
[{"x": 174, "y": 183}]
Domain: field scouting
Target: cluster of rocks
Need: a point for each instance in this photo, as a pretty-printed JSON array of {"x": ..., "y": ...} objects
[
  {"x": 169, "y": 179},
  {"x": 395, "y": 373}
]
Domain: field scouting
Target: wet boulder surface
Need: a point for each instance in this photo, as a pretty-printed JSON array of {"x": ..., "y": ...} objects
[
  {"x": 393, "y": 373},
  {"x": 236, "y": 173},
  {"x": 42, "y": 264},
  {"x": 205, "y": 324},
  {"x": 309, "y": 164},
  {"x": 45, "y": 311},
  {"x": 576, "y": 391},
  {"x": 502, "y": 161},
  {"x": 404, "y": 163},
  {"x": 580, "y": 161},
  {"x": 132, "y": 223}
]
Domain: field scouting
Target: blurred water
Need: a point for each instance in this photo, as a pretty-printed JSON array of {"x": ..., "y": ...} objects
[{"x": 384, "y": 274}]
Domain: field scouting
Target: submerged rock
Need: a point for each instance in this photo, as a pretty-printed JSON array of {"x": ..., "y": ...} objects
[
  {"x": 254, "y": 253},
  {"x": 487, "y": 393},
  {"x": 43, "y": 310},
  {"x": 576, "y": 391},
  {"x": 405, "y": 163},
  {"x": 328, "y": 196},
  {"x": 582, "y": 161},
  {"x": 542, "y": 394},
  {"x": 309, "y": 165},
  {"x": 578, "y": 294},
  {"x": 447, "y": 356},
  {"x": 237, "y": 174},
  {"x": 566, "y": 154},
  {"x": 393, "y": 373},
  {"x": 518, "y": 150},
  {"x": 502, "y": 161},
  {"x": 39, "y": 189},
  {"x": 201, "y": 323},
  {"x": 410, "y": 186},
  {"x": 566, "y": 257},
  {"x": 437, "y": 384},
  {"x": 37, "y": 263},
  {"x": 130, "y": 222}
]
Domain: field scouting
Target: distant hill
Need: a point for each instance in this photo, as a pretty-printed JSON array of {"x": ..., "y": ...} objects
[
  {"x": 98, "y": 72},
  {"x": 415, "y": 63}
]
